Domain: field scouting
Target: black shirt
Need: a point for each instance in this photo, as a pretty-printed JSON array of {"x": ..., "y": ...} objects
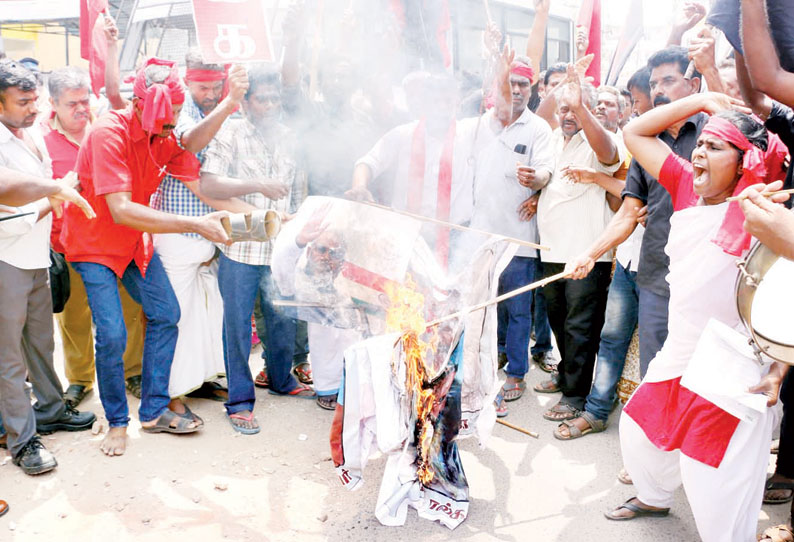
[
  {"x": 781, "y": 122},
  {"x": 654, "y": 263}
]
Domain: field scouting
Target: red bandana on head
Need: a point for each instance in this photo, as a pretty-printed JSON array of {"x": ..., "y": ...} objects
[
  {"x": 210, "y": 76},
  {"x": 158, "y": 98},
  {"x": 758, "y": 167},
  {"x": 522, "y": 69}
]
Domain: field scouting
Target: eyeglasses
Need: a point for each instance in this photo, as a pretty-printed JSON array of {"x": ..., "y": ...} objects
[{"x": 334, "y": 253}]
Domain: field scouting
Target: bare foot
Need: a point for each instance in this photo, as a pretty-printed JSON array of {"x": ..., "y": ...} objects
[{"x": 115, "y": 442}]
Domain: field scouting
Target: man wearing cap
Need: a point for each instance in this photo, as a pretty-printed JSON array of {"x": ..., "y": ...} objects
[{"x": 121, "y": 162}]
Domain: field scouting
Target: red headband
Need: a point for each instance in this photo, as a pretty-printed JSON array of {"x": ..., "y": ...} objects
[
  {"x": 158, "y": 98},
  {"x": 758, "y": 167},
  {"x": 522, "y": 69},
  {"x": 192, "y": 74}
]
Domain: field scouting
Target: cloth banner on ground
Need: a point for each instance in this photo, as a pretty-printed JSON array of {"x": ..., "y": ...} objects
[{"x": 379, "y": 410}]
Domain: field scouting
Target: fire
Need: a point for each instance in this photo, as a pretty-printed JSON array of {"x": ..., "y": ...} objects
[{"x": 406, "y": 314}]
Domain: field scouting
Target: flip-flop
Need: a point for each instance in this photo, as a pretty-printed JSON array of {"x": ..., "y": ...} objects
[
  {"x": 240, "y": 429},
  {"x": 303, "y": 372},
  {"x": 299, "y": 391},
  {"x": 514, "y": 392},
  {"x": 163, "y": 424},
  {"x": 777, "y": 486},
  {"x": 552, "y": 385},
  {"x": 501, "y": 407},
  {"x": 638, "y": 512},
  {"x": 261, "y": 380},
  {"x": 327, "y": 402}
]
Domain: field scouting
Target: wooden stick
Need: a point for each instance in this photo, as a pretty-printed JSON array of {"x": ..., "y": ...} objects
[
  {"x": 517, "y": 428},
  {"x": 765, "y": 194},
  {"x": 487, "y": 11},
  {"x": 508, "y": 295},
  {"x": 452, "y": 226}
]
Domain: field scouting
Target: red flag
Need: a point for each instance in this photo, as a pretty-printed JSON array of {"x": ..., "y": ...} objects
[
  {"x": 629, "y": 37},
  {"x": 93, "y": 46},
  {"x": 590, "y": 18}
]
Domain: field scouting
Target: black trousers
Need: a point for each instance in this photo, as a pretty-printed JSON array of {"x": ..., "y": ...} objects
[
  {"x": 576, "y": 314},
  {"x": 785, "y": 455}
]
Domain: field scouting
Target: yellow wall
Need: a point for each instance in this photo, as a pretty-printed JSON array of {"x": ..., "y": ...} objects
[{"x": 48, "y": 49}]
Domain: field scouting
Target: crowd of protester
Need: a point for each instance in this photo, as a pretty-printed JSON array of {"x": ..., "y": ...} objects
[{"x": 625, "y": 187}]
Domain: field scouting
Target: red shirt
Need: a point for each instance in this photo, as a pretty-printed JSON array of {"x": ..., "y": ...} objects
[
  {"x": 63, "y": 152},
  {"x": 677, "y": 176},
  {"x": 118, "y": 156}
]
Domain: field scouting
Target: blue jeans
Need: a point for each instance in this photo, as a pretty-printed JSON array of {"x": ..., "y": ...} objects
[
  {"x": 653, "y": 326},
  {"x": 240, "y": 284},
  {"x": 619, "y": 324},
  {"x": 515, "y": 314},
  {"x": 540, "y": 322},
  {"x": 161, "y": 308}
]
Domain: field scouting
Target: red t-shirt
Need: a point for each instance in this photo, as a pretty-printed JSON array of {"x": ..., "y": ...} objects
[
  {"x": 677, "y": 176},
  {"x": 63, "y": 153},
  {"x": 117, "y": 156}
]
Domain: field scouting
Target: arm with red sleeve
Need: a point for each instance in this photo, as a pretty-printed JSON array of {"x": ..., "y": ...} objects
[{"x": 113, "y": 179}]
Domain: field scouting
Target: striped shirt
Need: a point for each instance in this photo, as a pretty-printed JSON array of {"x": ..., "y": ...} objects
[
  {"x": 172, "y": 196},
  {"x": 241, "y": 151}
]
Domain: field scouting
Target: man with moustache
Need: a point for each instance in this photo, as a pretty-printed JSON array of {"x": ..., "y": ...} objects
[
  {"x": 498, "y": 193},
  {"x": 570, "y": 216},
  {"x": 121, "y": 163},
  {"x": 667, "y": 83},
  {"x": 245, "y": 153},
  {"x": 26, "y": 333},
  {"x": 63, "y": 134}
]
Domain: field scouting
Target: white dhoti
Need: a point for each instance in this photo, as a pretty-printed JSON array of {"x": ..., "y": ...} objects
[
  {"x": 198, "y": 357},
  {"x": 327, "y": 346},
  {"x": 725, "y": 500}
]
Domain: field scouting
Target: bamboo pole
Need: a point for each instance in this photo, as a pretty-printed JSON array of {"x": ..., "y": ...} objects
[
  {"x": 487, "y": 11},
  {"x": 508, "y": 295},
  {"x": 517, "y": 428},
  {"x": 451, "y": 225},
  {"x": 765, "y": 194}
]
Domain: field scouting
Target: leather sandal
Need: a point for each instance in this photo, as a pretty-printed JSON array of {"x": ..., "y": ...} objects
[
  {"x": 165, "y": 424},
  {"x": 561, "y": 412},
  {"x": 594, "y": 426},
  {"x": 303, "y": 372},
  {"x": 75, "y": 394}
]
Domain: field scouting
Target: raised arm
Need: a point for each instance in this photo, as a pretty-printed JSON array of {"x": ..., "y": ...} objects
[
  {"x": 758, "y": 101},
  {"x": 292, "y": 35},
  {"x": 537, "y": 35},
  {"x": 599, "y": 139},
  {"x": 640, "y": 134},
  {"x": 112, "y": 71},
  {"x": 690, "y": 15},
  {"x": 504, "y": 97},
  {"x": 200, "y": 135},
  {"x": 760, "y": 55},
  {"x": 701, "y": 52}
]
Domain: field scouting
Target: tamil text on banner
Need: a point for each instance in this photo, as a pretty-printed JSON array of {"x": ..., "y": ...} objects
[{"x": 232, "y": 31}]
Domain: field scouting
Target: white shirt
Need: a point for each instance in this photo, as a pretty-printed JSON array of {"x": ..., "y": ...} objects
[
  {"x": 572, "y": 215},
  {"x": 628, "y": 252},
  {"x": 497, "y": 194},
  {"x": 25, "y": 242},
  {"x": 392, "y": 153}
]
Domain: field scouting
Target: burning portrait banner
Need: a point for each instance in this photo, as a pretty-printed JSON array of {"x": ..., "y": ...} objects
[{"x": 415, "y": 380}]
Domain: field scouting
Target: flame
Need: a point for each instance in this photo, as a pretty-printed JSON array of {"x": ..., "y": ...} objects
[{"x": 406, "y": 314}]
